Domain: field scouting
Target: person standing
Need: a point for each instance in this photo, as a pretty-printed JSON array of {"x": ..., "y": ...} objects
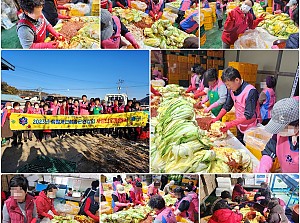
[
  {"x": 244, "y": 98},
  {"x": 28, "y": 110},
  {"x": 136, "y": 194},
  {"x": 267, "y": 99},
  {"x": 17, "y": 135},
  {"x": 183, "y": 206},
  {"x": 91, "y": 207},
  {"x": 238, "y": 21},
  {"x": 238, "y": 193},
  {"x": 217, "y": 92},
  {"x": 120, "y": 199},
  {"x": 167, "y": 188}
]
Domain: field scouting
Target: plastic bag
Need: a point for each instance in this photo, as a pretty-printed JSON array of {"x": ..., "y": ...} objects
[
  {"x": 81, "y": 7},
  {"x": 257, "y": 137},
  {"x": 251, "y": 39},
  {"x": 142, "y": 6},
  {"x": 5, "y": 22}
]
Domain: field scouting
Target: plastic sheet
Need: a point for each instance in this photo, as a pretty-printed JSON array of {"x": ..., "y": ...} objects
[
  {"x": 257, "y": 137},
  {"x": 255, "y": 39}
]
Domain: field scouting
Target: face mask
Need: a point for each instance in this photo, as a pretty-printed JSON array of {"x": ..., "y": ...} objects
[
  {"x": 36, "y": 107},
  {"x": 289, "y": 131},
  {"x": 52, "y": 196},
  {"x": 17, "y": 195},
  {"x": 245, "y": 8},
  {"x": 17, "y": 108},
  {"x": 8, "y": 107}
]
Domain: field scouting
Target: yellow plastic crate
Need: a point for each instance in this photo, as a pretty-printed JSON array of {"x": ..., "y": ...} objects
[
  {"x": 72, "y": 203},
  {"x": 206, "y": 12},
  {"x": 95, "y": 13},
  {"x": 220, "y": 74},
  {"x": 214, "y": 19},
  {"x": 75, "y": 12},
  {"x": 208, "y": 26},
  {"x": 208, "y": 19},
  {"x": 257, "y": 154}
]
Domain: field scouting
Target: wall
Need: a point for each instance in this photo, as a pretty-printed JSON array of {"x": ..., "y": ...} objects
[{"x": 266, "y": 61}]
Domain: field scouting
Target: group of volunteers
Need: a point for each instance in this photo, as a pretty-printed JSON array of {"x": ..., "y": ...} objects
[
  {"x": 280, "y": 118},
  {"x": 22, "y": 207},
  {"x": 112, "y": 27},
  {"x": 242, "y": 18},
  {"x": 186, "y": 206},
  {"x": 36, "y": 21},
  {"x": 226, "y": 208},
  {"x": 68, "y": 106}
]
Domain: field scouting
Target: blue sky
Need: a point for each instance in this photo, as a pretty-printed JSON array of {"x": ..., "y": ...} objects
[{"x": 73, "y": 73}]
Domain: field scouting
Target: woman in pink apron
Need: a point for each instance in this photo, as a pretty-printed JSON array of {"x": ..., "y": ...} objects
[
  {"x": 183, "y": 206},
  {"x": 197, "y": 85},
  {"x": 156, "y": 8},
  {"x": 120, "y": 199},
  {"x": 284, "y": 144},
  {"x": 244, "y": 98},
  {"x": 153, "y": 189},
  {"x": 164, "y": 214}
]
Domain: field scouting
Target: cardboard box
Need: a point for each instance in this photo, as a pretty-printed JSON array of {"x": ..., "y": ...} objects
[
  {"x": 191, "y": 58},
  {"x": 171, "y": 58},
  {"x": 182, "y": 59},
  {"x": 197, "y": 59}
]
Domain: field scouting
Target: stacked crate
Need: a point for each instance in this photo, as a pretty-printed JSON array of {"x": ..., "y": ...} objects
[
  {"x": 248, "y": 71},
  {"x": 270, "y": 3},
  {"x": 202, "y": 30},
  {"x": 95, "y": 8},
  {"x": 179, "y": 66},
  {"x": 269, "y": 9},
  {"x": 208, "y": 18},
  {"x": 230, "y": 6},
  {"x": 213, "y": 6}
]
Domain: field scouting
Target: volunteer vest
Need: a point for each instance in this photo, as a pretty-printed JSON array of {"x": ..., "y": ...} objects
[
  {"x": 39, "y": 32},
  {"x": 114, "y": 41},
  {"x": 121, "y": 199},
  {"x": 184, "y": 214},
  {"x": 267, "y": 106},
  {"x": 166, "y": 215},
  {"x": 15, "y": 213},
  {"x": 288, "y": 159},
  {"x": 185, "y": 5},
  {"x": 156, "y": 7},
  {"x": 154, "y": 190},
  {"x": 138, "y": 195},
  {"x": 189, "y": 24},
  {"x": 84, "y": 108},
  {"x": 240, "y": 106}
]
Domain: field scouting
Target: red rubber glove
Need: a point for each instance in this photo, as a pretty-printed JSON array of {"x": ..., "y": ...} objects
[
  {"x": 199, "y": 94},
  {"x": 159, "y": 15},
  {"x": 265, "y": 164},
  {"x": 33, "y": 220},
  {"x": 60, "y": 16},
  {"x": 152, "y": 14},
  {"x": 110, "y": 6},
  {"x": 50, "y": 45},
  {"x": 155, "y": 92},
  {"x": 234, "y": 123},
  {"x": 53, "y": 32},
  {"x": 131, "y": 39},
  {"x": 257, "y": 21},
  {"x": 49, "y": 216},
  {"x": 120, "y": 5},
  {"x": 228, "y": 125},
  {"x": 220, "y": 115},
  {"x": 63, "y": 7}
]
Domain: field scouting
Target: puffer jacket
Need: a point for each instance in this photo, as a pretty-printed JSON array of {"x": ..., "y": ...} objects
[
  {"x": 276, "y": 214},
  {"x": 293, "y": 41}
]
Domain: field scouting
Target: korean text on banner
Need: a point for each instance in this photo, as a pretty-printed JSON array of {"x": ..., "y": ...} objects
[{"x": 19, "y": 121}]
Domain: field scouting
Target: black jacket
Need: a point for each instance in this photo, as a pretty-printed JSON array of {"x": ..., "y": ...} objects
[{"x": 293, "y": 41}]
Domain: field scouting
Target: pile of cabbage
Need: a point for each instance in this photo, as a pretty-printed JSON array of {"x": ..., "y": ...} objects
[{"x": 180, "y": 146}]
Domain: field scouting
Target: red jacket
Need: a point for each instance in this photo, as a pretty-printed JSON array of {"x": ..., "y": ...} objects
[
  {"x": 236, "y": 23},
  {"x": 226, "y": 216},
  {"x": 63, "y": 111},
  {"x": 87, "y": 210},
  {"x": 15, "y": 214},
  {"x": 44, "y": 204}
]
